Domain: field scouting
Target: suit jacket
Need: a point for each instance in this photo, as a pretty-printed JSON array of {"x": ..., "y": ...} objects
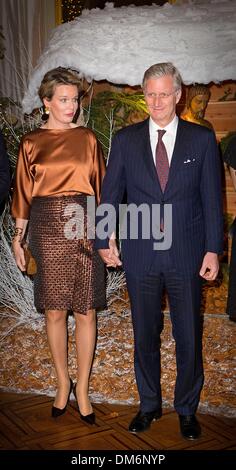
[{"x": 193, "y": 189}]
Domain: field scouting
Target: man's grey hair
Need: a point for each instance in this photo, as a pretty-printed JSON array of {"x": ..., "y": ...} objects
[{"x": 161, "y": 69}]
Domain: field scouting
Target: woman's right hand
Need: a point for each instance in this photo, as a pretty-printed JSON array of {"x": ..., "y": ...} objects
[{"x": 19, "y": 254}]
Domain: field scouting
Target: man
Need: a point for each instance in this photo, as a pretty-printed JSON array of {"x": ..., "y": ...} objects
[
  {"x": 4, "y": 174},
  {"x": 190, "y": 182}
]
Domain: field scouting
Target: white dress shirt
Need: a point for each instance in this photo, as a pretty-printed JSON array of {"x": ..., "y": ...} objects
[{"x": 168, "y": 138}]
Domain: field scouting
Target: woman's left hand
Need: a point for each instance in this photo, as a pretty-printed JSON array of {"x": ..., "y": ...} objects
[{"x": 19, "y": 254}]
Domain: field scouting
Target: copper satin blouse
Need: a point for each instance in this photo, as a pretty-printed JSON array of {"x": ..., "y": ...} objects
[{"x": 56, "y": 162}]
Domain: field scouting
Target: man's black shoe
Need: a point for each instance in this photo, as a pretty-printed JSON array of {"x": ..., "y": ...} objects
[
  {"x": 189, "y": 427},
  {"x": 142, "y": 421}
]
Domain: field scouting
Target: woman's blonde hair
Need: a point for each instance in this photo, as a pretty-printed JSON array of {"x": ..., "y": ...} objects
[{"x": 58, "y": 76}]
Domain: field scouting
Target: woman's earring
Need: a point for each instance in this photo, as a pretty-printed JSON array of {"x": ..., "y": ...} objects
[{"x": 45, "y": 114}]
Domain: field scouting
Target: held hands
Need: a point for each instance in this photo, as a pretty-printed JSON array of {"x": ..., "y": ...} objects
[
  {"x": 210, "y": 266},
  {"x": 110, "y": 255}
]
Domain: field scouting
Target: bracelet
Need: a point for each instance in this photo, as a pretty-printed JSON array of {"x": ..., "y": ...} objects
[{"x": 18, "y": 233}]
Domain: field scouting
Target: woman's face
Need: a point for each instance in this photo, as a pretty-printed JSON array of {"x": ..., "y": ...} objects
[{"x": 63, "y": 105}]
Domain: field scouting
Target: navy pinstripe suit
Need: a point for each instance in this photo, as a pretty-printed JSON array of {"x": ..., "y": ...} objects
[{"x": 194, "y": 191}]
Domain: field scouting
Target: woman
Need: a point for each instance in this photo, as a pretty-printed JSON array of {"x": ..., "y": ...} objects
[{"x": 59, "y": 165}]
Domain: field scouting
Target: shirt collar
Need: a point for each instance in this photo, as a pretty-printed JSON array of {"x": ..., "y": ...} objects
[{"x": 170, "y": 128}]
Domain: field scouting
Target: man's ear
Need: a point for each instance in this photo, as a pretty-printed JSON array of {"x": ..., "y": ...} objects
[{"x": 178, "y": 95}]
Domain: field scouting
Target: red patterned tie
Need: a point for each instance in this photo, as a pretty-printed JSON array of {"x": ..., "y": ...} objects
[{"x": 162, "y": 162}]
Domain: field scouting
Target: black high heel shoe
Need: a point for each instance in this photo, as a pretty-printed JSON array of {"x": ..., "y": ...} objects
[
  {"x": 89, "y": 419},
  {"x": 56, "y": 412}
]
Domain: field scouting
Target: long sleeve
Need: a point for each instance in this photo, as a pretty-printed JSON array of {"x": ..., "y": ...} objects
[
  {"x": 98, "y": 171},
  {"x": 56, "y": 162},
  {"x": 112, "y": 189},
  {"x": 23, "y": 184},
  {"x": 211, "y": 194},
  {"x": 4, "y": 171}
]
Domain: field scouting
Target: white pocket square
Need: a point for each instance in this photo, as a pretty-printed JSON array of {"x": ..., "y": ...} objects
[{"x": 189, "y": 160}]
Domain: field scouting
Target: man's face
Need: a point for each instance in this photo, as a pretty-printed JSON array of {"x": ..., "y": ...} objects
[{"x": 161, "y": 98}]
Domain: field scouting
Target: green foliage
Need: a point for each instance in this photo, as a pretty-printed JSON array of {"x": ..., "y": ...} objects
[
  {"x": 228, "y": 220},
  {"x": 109, "y": 111},
  {"x": 225, "y": 141}
]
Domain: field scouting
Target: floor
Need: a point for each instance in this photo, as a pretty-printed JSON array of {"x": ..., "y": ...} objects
[{"x": 26, "y": 424}]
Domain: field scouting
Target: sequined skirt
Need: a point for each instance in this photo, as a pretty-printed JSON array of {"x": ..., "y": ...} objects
[{"x": 70, "y": 274}]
